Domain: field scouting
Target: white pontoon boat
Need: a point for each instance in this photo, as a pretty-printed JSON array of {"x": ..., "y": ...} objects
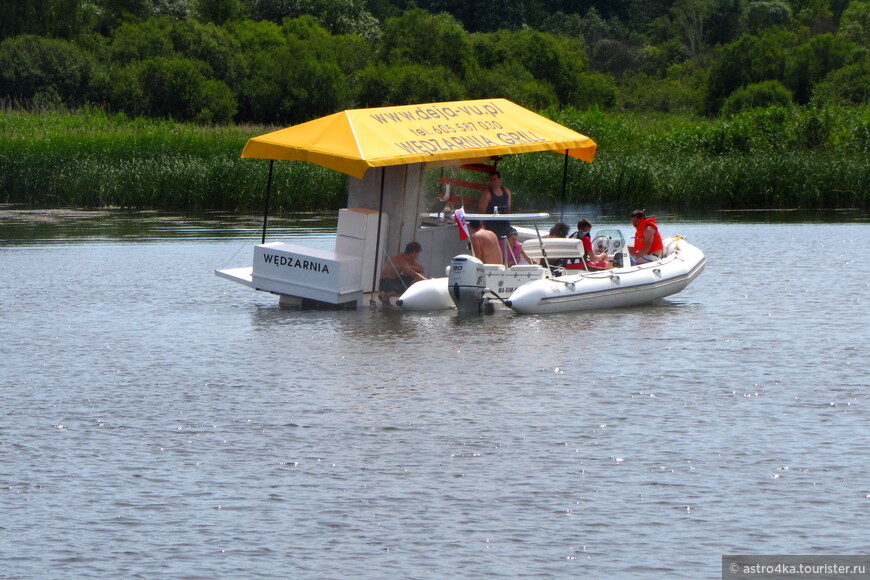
[{"x": 386, "y": 152}]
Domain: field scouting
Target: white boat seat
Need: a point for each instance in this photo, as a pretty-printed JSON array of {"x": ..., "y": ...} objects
[{"x": 555, "y": 248}]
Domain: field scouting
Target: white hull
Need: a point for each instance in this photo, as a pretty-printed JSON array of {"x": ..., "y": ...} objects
[
  {"x": 616, "y": 288},
  {"x": 530, "y": 289}
]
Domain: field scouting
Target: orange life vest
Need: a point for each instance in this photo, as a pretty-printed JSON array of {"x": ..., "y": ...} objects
[{"x": 640, "y": 239}]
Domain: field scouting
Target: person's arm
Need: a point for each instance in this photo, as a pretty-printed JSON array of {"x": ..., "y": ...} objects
[
  {"x": 417, "y": 269},
  {"x": 588, "y": 254},
  {"x": 407, "y": 269},
  {"x": 649, "y": 235},
  {"x": 525, "y": 256},
  {"x": 484, "y": 202},
  {"x": 510, "y": 197}
]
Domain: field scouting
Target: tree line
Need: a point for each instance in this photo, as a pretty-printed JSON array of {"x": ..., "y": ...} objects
[{"x": 288, "y": 61}]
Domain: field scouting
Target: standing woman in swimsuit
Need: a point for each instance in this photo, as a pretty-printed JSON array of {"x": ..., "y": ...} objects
[{"x": 496, "y": 196}]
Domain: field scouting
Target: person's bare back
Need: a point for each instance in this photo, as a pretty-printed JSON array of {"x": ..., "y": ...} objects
[{"x": 485, "y": 245}]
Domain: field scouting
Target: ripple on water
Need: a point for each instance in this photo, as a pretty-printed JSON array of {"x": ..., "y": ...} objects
[{"x": 158, "y": 421}]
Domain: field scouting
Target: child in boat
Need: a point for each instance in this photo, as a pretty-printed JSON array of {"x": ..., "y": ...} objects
[
  {"x": 514, "y": 254},
  {"x": 594, "y": 261}
]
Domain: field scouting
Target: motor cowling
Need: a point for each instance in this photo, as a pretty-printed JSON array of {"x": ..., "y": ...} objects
[{"x": 466, "y": 283}]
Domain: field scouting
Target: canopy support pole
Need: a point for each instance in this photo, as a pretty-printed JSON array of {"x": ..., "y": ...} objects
[
  {"x": 564, "y": 188},
  {"x": 268, "y": 195},
  {"x": 372, "y": 302}
]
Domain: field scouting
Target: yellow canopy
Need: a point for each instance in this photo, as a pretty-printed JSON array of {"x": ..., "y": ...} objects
[{"x": 356, "y": 139}]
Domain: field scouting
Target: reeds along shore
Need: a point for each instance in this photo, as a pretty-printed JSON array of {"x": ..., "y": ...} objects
[{"x": 767, "y": 158}]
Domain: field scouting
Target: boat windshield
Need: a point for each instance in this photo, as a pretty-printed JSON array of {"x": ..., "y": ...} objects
[{"x": 609, "y": 235}]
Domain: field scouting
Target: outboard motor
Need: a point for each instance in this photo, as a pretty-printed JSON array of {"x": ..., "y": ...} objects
[{"x": 466, "y": 283}]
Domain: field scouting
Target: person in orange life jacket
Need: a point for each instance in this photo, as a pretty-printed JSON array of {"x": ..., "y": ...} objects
[
  {"x": 496, "y": 196},
  {"x": 593, "y": 261},
  {"x": 647, "y": 239}
]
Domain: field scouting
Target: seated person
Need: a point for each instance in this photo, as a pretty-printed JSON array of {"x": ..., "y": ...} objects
[
  {"x": 484, "y": 244},
  {"x": 594, "y": 261},
  {"x": 514, "y": 254},
  {"x": 559, "y": 230},
  {"x": 401, "y": 271},
  {"x": 648, "y": 245}
]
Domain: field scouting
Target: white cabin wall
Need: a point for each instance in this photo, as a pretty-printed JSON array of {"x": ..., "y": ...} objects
[
  {"x": 403, "y": 187},
  {"x": 404, "y": 199}
]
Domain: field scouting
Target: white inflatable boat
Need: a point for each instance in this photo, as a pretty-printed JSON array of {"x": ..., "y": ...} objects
[
  {"x": 473, "y": 287},
  {"x": 615, "y": 288}
]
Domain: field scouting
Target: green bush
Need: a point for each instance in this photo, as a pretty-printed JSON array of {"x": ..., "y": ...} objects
[
  {"x": 751, "y": 59},
  {"x": 643, "y": 93},
  {"x": 559, "y": 61},
  {"x": 849, "y": 85},
  {"x": 760, "y": 15},
  {"x": 407, "y": 84},
  {"x": 811, "y": 62},
  {"x": 855, "y": 23},
  {"x": 35, "y": 67},
  {"x": 212, "y": 45},
  {"x": 295, "y": 72},
  {"x": 140, "y": 40},
  {"x": 221, "y": 11},
  {"x": 418, "y": 37},
  {"x": 514, "y": 82},
  {"x": 174, "y": 88},
  {"x": 290, "y": 86},
  {"x": 757, "y": 96}
]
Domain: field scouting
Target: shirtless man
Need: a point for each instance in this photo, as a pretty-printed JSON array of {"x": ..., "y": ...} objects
[
  {"x": 484, "y": 244},
  {"x": 401, "y": 271}
]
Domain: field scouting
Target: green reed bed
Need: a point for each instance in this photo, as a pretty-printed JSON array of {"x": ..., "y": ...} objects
[
  {"x": 695, "y": 182},
  {"x": 94, "y": 160},
  {"x": 770, "y": 158}
]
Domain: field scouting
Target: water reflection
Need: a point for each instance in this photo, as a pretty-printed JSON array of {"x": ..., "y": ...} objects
[{"x": 47, "y": 226}]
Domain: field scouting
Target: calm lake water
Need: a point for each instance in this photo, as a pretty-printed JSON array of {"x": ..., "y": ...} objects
[{"x": 159, "y": 422}]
